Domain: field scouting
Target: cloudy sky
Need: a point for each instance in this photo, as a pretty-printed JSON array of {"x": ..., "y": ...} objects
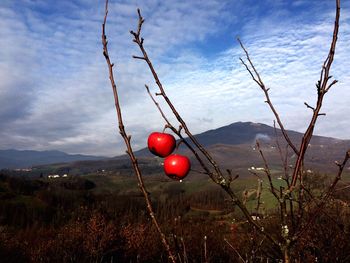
[{"x": 55, "y": 92}]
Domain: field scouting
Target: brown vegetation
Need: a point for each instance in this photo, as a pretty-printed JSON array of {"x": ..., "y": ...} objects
[{"x": 53, "y": 224}]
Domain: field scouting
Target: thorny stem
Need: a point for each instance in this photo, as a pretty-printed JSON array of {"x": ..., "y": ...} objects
[{"x": 127, "y": 139}]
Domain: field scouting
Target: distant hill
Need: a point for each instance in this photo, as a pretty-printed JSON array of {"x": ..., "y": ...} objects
[
  {"x": 232, "y": 146},
  {"x": 24, "y": 159},
  {"x": 246, "y": 133}
]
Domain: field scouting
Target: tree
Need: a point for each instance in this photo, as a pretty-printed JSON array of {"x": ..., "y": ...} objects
[{"x": 294, "y": 198}]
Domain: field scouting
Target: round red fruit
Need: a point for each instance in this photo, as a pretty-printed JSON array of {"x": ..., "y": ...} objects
[
  {"x": 177, "y": 166},
  {"x": 161, "y": 144}
]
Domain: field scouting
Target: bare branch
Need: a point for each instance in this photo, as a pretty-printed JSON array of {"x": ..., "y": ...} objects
[
  {"x": 325, "y": 197},
  {"x": 338, "y": 177},
  {"x": 250, "y": 72},
  {"x": 127, "y": 140},
  {"x": 235, "y": 250},
  {"x": 137, "y": 40},
  {"x": 197, "y": 171},
  {"x": 284, "y": 159},
  {"x": 178, "y": 133},
  {"x": 330, "y": 85},
  {"x": 258, "y": 195},
  {"x": 168, "y": 124},
  {"x": 308, "y": 106},
  {"x": 267, "y": 172},
  {"x": 217, "y": 177},
  {"x": 324, "y": 77},
  {"x": 137, "y": 57},
  {"x": 259, "y": 81},
  {"x": 342, "y": 188}
]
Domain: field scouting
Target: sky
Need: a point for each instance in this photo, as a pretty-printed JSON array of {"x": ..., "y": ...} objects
[{"x": 55, "y": 92}]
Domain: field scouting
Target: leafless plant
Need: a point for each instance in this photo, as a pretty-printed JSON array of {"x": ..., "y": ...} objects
[
  {"x": 214, "y": 171},
  {"x": 127, "y": 139},
  {"x": 323, "y": 86},
  {"x": 287, "y": 197}
]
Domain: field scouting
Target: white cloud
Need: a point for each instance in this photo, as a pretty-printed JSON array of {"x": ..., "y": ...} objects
[
  {"x": 55, "y": 92},
  {"x": 289, "y": 58}
]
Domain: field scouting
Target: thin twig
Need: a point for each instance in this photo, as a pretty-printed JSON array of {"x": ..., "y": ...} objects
[
  {"x": 308, "y": 106},
  {"x": 178, "y": 133},
  {"x": 184, "y": 251},
  {"x": 127, "y": 139},
  {"x": 284, "y": 159},
  {"x": 259, "y": 81},
  {"x": 258, "y": 195},
  {"x": 267, "y": 172},
  {"x": 322, "y": 88},
  {"x": 205, "y": 250},
  {"x": 217, "y": 177},
  {"x": 342, "y": 188},
  {"x": 325, "y": 197},
  {"x": 235, "y": 250}
]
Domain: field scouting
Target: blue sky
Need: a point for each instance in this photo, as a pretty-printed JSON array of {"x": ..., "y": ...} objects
[{"x": 54, "y": 89}]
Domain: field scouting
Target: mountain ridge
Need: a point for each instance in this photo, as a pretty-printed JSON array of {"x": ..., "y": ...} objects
[
  {"x": 12, "y": 158},
  {"x": 232, "y": 146},
  {"x": 246, "y": 133}
]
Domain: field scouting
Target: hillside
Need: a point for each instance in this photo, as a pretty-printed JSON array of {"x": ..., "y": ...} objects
[
  {"x": 233, "y": 147},
  {"x": 21, "y": 159}
]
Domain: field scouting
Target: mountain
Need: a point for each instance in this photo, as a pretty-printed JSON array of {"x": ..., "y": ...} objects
[
  {"x": 23, "y": 159},
  {"x": 248, "y": 132},
  {"x": 233, "y": 147}
]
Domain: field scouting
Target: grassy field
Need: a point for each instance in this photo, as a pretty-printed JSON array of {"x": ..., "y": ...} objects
[{"x": 163, "y": 188}]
